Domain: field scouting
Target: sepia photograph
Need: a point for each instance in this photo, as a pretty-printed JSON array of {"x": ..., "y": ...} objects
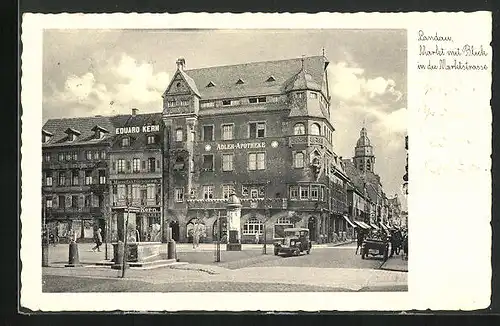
[
  {"x": 255, "y": 162},
  {"x": 224, "y": 160}
]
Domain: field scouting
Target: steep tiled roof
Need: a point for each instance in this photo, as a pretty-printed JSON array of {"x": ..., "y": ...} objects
[
  {"x": 255, "y": 76},
  {"x": 87, "y": 125},
  {"x": 84, "y": 125}
]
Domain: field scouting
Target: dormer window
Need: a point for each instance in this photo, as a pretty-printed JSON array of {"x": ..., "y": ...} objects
[
  {"x": 46, "y": 136},
  {"x": 240, "y": 82},
  {"x": 99, "y": 132},
  {"x": 210, "y": 84},
  {"x": 126, "y": 142},
  {"x": 72, "y": 134},
  {"x": 271, "y": 79}
]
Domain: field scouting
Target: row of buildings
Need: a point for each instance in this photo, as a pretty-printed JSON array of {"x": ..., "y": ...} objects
[{"x": 260, "y": 130}]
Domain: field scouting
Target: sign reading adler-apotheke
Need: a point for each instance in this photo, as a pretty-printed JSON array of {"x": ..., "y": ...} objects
[
  {"x": 241, "y": 146},
  {"x": 136, "y": 130}
]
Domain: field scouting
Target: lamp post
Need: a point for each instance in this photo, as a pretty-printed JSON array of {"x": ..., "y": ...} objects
[{"x": 125, "y": 236}]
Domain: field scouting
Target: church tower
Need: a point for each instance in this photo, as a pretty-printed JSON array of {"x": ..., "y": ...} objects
[{"x": 364, "y": 159}]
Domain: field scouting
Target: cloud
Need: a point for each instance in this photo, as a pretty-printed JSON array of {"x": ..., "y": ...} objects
[{"x": 115, "y": 88}]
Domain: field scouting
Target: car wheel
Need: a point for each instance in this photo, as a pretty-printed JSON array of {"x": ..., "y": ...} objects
[
  {"x": 308, "y": 251},
  {"x": 386, "y": 254},
  {"x": 363, "y": 255}
]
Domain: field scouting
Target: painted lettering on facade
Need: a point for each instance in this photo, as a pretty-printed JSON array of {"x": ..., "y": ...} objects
[
  {"x": 136, "y": 130},
  {"x": 241, "y": 146}
]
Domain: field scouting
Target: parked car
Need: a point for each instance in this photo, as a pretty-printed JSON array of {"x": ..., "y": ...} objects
[{"x": 295, "y": 242}]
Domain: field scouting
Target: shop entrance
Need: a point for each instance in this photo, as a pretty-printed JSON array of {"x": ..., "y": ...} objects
[{"x": 311, "y": 225}]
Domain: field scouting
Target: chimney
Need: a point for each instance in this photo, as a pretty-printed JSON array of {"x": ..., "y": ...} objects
[
  {"x": 181, "y": 63},
  {"x": 134, "y": 112}
]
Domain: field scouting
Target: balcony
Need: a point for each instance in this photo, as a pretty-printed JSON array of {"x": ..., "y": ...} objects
[
  {"x": 246, "y": 203},
  {"x": 308, "y": 140},
  {"x": 74, "y": 210}
]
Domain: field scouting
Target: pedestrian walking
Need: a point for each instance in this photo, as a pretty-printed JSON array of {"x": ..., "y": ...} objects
[
  {"x": 98, "y": 240},
  {"x": 360, "y": 238},
  {"x": 257, "y": 238}
]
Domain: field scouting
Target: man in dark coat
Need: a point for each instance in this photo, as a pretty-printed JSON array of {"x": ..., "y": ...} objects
[{"x": 360, "y": 238}]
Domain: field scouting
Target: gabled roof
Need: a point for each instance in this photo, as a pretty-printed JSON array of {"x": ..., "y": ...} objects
[
  {"x": 138, "y": 140},
  {"x": 188, "y": 80},
  {"x": 255, "y": 75}
]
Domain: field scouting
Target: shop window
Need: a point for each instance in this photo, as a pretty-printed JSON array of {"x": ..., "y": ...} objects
[
  {"x": 179, "y": 134},
  {"x": 208, "y": 162},
  {"x": 299, "y": 129},
  {"x": 208, "y": 192},
  {"x": 253, "y": 226},
  {"x": 315, "y": 129},
  {"x": 256, "y": 130},
  {"x": 298, "y": 160},
  {"x": 102, "y": 177},
  {"x": 227, "y": 190},
  {"x": 88, "y": 177},
  {"x": 227, "y": 162},
  {"x": 294, "y": 192},
  {"x": 208, "y": 133},
  {"x": 227, "y": 132}
]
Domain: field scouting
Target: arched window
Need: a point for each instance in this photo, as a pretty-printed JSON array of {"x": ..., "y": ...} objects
[
  {"x": 253, "y": 226},
  {"x": 299, "y": 129},
  {"x": 178, "y": 135},
  {"x": 298, "y": 160},
  {"x": 315, "y": 129}
]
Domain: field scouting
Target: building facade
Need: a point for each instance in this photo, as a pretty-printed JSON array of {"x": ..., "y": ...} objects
[
  {"x": 136, "y": 175},
  {"x": 259, "y": 130},
  {"x": 75, "y": 176}
]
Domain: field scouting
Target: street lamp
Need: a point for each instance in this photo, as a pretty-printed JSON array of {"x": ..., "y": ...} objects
[{"x": 125, "y": 236}]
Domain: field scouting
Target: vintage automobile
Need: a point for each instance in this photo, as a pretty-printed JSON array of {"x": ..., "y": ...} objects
[
  {"x": 376, "y": 244},
  {"x": 295, "y": 242}
]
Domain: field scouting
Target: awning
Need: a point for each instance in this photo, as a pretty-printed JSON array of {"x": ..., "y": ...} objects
[
  {"x": 374, "y": 226},
  {"x": 349, "y": 221},
  {"x": 362, "y": 225}
]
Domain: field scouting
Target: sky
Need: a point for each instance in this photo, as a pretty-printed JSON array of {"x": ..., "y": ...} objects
[{"x": 101, "y": 72}]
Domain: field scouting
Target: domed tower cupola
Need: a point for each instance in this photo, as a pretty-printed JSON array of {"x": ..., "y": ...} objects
[{"x": 364, "y": 159}]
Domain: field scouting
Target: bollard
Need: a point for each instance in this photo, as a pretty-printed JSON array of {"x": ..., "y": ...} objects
[
  {"x": 120, "y": 251},
  {"x": 73, "y": 259},
  {"x": 171, "y": 252},
  {"x": 45, "y": 254}
]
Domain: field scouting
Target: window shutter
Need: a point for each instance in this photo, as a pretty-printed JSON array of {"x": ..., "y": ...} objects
[
  {"x": 114, "y": 165},
  {"x": 144, "y": 165},
  {"x": 128, "y": 165},
  {"x": 68, "y": 201},
  {"x": 157, "y": 164},
  {"x": 81, "y": 201},
  {"x": 55, "y": 201}
]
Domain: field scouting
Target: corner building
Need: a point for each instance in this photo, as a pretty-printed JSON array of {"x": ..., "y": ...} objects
[{"x": 261, "y": 130}]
